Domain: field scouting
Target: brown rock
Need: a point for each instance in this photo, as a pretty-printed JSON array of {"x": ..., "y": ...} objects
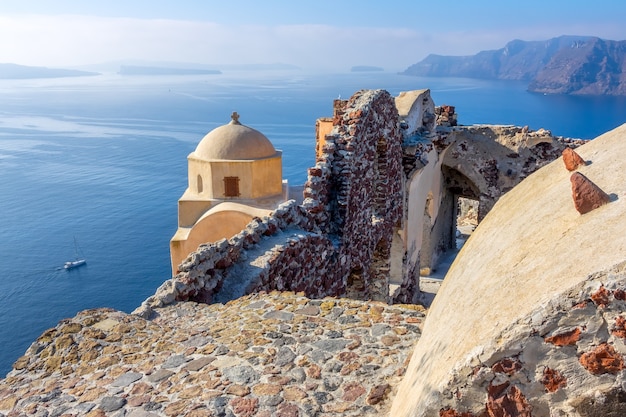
[
  {"x": 238, "y": 390},
  {"x": 293, "y": 394},
  {"x": 63, "y": 342},
  {"x": 378, "y": 394},
  {"x": 347, "y": 356},
  {"x": 8, "y": 403},
  {"x": 507, "y": 366},
  {"x": 564, "y": 339},
  {"x": 601, "y": 297},
  {"x": 190, "y": 392},
  {"x": 92, "y": 394},
  {"x": 70, "y": 328},
  {"x": 266, "y": 389},
  {"x": 314, "y": 371},
  {"x": 176, "y": 408},
  {"x": 244, "y": 407},
  {"x": 572, "y": 160},
  {"x": 200, "y": 412},
  {"x": 21, "y": 363},
  {"x": 347, "y": 369},
  {"x": 553, "y": 379},
  {"x": 352, "y": 391},
  {"x": 619, "y": 329},
  {"x": 389, "y": 340},
  {"x": 287, "y": 410},
  {"x": 138, "y": 400},
  {"x": 619, "y": 294},
  {"x": 587, "y": 195},
  {"x": 602, "y": 360},
  {"x": 511, "y": 403}
]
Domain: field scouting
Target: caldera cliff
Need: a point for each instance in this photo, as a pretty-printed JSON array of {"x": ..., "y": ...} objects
[{"x": 563, "y": 65}]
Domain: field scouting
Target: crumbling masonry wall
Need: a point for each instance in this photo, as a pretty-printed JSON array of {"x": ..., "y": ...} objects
[
  {"x": 336, "y": 243},
  {"x": 383, "y": 187},
  {"x": 479, "y": 162}
]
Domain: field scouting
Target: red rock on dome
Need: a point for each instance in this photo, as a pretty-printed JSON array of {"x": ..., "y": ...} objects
[
  {"x": 572, "y": 160},
  {"x": 587, "y": 195}
]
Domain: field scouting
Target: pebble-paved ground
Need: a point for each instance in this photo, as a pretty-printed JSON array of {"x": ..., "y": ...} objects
[{"x": 277, "y": 354}]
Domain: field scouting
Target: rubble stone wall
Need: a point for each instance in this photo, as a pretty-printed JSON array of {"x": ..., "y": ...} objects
[{"x": 343, "y": 229}]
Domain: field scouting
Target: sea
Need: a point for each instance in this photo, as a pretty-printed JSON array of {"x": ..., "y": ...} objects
[{"x": 101, "y": 161}]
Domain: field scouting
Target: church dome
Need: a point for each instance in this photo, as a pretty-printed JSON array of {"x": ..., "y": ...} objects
[{"x": 234, "y": 141}]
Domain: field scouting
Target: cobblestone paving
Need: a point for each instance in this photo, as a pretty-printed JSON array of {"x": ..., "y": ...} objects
[{"x": 277, "y": 354}]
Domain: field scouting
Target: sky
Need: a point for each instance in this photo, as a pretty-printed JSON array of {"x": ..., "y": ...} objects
[{"x": 316, "y": 35}]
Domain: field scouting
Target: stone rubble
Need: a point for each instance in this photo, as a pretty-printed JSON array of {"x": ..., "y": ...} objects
[{"x": 266, "y": 354}]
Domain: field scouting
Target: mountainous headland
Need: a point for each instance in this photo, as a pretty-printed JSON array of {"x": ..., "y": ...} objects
[
  {"x": 581, "y": 65},
  {"x": 14, "y": 71}
]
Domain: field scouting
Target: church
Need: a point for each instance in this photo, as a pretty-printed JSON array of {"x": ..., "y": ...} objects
[{"x": 234, "y": 175}]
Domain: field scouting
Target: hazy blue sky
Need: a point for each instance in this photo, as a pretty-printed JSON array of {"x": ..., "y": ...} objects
[{"x": 321, "y": 34}]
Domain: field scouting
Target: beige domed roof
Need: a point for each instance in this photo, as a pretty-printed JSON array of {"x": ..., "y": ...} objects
[{"x": 234, "y": 141}]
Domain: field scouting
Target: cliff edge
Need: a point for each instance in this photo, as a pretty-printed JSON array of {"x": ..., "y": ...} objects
[{"x": 563, "y": 65}]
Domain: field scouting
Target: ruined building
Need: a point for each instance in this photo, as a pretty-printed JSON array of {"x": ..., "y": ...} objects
[{"x": 379, "y": 205}]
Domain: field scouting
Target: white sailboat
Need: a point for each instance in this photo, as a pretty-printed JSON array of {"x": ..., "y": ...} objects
[{"x": 80, "y": 259}]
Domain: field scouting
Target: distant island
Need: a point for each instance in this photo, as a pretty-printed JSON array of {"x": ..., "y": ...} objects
[
  {"x": 365, "y": 68},
  {"x": 581, "y": 65},
  {"x": 14, "y": 71},
  {"x": 145, "y": 70}
]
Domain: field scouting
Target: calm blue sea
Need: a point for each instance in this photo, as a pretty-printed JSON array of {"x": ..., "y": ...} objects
[{"x": 103, "y": 160}]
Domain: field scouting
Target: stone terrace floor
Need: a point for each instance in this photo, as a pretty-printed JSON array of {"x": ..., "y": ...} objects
[{"x": 276, "y": 354}]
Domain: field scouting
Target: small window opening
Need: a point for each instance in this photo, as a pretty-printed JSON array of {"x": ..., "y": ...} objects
[
  {"x": 231, "y": 186},
  {"x": 200, "y": 184}
]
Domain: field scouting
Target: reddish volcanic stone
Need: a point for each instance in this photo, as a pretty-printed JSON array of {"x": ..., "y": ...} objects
[
  {"x": 352, "y": 391},
  {"x": 507, "y": 366},
  {"x": 601, "y": 297},
  {"x": 602, "y": 360},
  {"x": 572, "y": 160},
  {"x": 587, "y": 195},
  {"x": 287, "y": 410},
  {"x": 511, "y": 404},
  {"x": 564, "y": 339},
  {"x": 553, "y": 379},
  {"x": 378, "y": 394},
  {"x": 619, "y": 294},
  {"x": 244, "y": 407},
  {"x": 619, "y": 329}
]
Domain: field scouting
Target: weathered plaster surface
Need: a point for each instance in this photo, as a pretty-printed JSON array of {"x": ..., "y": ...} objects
[{"x": 533, "y": 269}]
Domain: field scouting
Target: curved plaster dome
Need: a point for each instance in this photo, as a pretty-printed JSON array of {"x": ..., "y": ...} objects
[{"x": 235, "y": 141}]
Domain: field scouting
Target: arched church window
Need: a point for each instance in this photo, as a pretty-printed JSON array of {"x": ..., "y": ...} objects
[{"x": 199, "y": 184}]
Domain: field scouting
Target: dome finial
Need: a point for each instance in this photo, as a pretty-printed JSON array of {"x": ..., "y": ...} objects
[{"x": 235, "y": 118}]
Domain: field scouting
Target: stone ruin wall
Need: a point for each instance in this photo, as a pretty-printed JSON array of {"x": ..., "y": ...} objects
[
  {"x": 338, "y": 240},
  {"x": 356, "y": 199},
  {"x": 479, "y": 162}
]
